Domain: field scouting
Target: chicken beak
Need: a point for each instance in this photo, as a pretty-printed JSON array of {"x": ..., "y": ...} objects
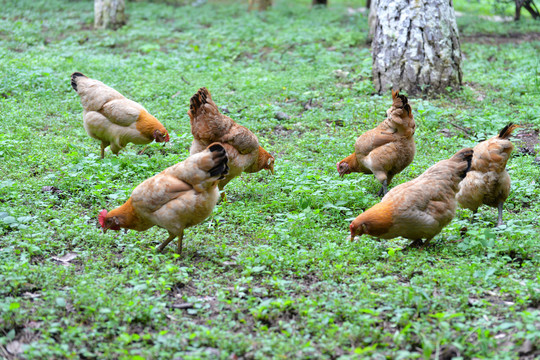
[
  {"x": 272, "y": 169},
  {"x": 105, "y": 230},
  {"x": 352, "y": 235}
]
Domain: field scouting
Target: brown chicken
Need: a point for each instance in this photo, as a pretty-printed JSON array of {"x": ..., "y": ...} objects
[
  {"x": 418, "y": 209},
  {"x": 209, "y": 125},
  {"x": 110, "y": 117},
  {"x": 386, "y": 150},
  {"x": 179, "y": 197},
  {"x": 488, "y": 181}
]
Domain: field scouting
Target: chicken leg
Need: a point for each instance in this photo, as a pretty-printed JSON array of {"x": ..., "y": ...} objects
[
  {"x": 166, "y": 242},
  {"x": 384, "y": 189},
  {"x": 500, "y": 209},
  {"x": 103, "y": 146},
  {"x": 179, "y": 246}
]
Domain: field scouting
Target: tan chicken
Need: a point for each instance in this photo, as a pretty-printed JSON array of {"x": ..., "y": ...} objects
[
  {"x": 179, "y": 197},
  {"x": 386, "y": 150},
  {"x": 114, "y": 120},
  {"x": 488, "y": 181},
  {"x": 418, "y": 209},
  {"x": 209, "y": 125}
]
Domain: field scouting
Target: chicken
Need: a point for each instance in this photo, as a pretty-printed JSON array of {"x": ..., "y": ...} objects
[
  {"x": 110, "y": 117},
  {"x": 179, "y": 197},
  {"x": 386, "y": 150},
  {"x": 488, "y": 181},
  {"x": 418, "y": 209},
  {"x": 209, "y": 125}
]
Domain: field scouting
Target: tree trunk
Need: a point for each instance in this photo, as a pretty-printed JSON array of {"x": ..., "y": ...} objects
[
  {"x": 109, "y": 14},
  {"x": 518, "y": 10},
  {"x": 320, "y": 2},
  {"x": 530, "y": 6},
  {"x": 415, "y": 46},
  {"x": 262, "y": 5},
  {"x": 372, "y": 19}
]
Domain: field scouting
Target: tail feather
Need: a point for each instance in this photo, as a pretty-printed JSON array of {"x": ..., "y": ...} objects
[
  {"x": 507, "y": 130},
  {"x": 464, "y": 155},
  {"x": 401, "y": 101},
  {"x": 199, "y": 99},
  {"x": 220, "y": 157},
  {"x": 74, "y": 77}
]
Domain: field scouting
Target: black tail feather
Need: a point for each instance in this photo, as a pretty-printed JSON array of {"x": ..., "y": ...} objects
[
  {"x": 404, "y": 99},
  {"x": 507, "y": 130},
  {"x": 198, "y": 100},
  {"x": 221, "y": 168},
  {"x": 467, "y": 155},
  {"x": 504, "y": 129},
  {"x": 74, "y": 77}
]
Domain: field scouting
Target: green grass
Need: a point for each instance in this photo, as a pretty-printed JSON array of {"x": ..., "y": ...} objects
[{"x": 270, "y": 273}]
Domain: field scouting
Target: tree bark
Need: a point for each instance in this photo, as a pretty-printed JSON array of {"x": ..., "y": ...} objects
[
  {"x": 415, "y": 46},
  {"x": 530, "y": 6},
  {"x": 109, "y": 14},
  {"x": 262, "y": 5}
]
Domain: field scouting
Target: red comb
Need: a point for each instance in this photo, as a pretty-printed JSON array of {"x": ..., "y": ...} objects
[
  {"x": 102, "y": 216},
  {"x": 337, "y": 166}
]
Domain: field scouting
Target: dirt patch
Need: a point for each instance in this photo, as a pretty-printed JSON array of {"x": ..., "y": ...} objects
[
  {"x": 496, "y": 39},
  {"x": 527, "y": 140},
  {"x": 282, "y": 131}
]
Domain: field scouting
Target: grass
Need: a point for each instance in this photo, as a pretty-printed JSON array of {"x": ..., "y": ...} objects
[{"x": 270, "y": 273}]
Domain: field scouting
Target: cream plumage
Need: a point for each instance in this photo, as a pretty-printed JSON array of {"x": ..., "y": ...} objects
[{"x": 113, "y": 119}]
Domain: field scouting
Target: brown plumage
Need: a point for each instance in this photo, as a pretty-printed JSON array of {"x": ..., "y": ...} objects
[
  {"x": 114, "y": 120},
  {"x": 179, "y": 197},
  {"x": 386, "y": 150},
  {"x": 418, "y": 209},
  {"x": 209, "y": 125},
  {"x": 488, "y": 181}
]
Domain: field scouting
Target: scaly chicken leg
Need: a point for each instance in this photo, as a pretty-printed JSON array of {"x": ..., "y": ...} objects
[
  {"x": 500, "y": 209},
  {"x": 166, "y": 242},
  {"x": 103, "y": 146},
  {"x": 171, "y": 237},
  {"x": 384, "y": 188}
]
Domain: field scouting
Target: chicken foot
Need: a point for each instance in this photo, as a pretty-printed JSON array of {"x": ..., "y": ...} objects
[
  {"x": 171, "y": 238},
  {"x": 166, "y": 242},
  {"x": 142, "y": 151},
  {"x": 418, "y": 244}
]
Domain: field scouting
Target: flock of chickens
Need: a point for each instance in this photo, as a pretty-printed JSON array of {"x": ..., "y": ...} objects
[{"x": 185, "y": 194}]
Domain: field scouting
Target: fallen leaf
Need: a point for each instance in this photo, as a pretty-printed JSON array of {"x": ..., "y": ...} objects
[
  {"x": 31, "y": 295},
  {"x": 66, "y": 258},
  {"x": 52, "y": 189},
  {"x": 182, "y": 306},
  {"x": 14, "y": 347},
  {"x": 526, "y": 348}
]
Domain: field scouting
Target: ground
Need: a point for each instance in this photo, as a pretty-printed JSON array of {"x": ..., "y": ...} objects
[{"x": 271, "y": 272}]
